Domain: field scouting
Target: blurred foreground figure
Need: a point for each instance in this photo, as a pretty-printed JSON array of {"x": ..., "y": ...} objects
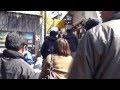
[
  {"x": 12, "y": 64},
  {"x": 98, "y": 53},
  {"x": 90, "y": 23}
]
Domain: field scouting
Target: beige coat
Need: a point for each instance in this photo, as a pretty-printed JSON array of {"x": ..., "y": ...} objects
[{"x": 61, "y": 65}]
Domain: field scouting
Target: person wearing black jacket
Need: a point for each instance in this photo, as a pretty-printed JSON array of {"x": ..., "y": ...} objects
[
  {"x": 12, "y": 65},
  {"x": 72, "y": 40},
  {"x": 46, "y": 43},
  {"x": 98, "y": 52}
]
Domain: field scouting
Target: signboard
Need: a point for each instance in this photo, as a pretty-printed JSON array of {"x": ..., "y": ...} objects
[
  {"x": 37, "y": 37},
  {"x": 2, "y": 40},
  {"x": 59, "y": 23},
  {"x": 29, "y": 36}
]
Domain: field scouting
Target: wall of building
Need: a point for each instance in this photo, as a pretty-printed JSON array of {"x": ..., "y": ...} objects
[
  {"x": 77, "y": 17},
  {"x": 80, "y": 15},
  {"x": 90, "y": 14},
  {"x": 11, "y": 21},
  {"x": 28, "y": 12}
]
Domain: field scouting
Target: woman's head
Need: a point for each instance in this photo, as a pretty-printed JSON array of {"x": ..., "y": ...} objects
[{"x": 62, "y": 47}]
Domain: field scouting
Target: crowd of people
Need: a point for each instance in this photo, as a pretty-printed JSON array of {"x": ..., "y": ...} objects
[{"x": 94, "y": 56}]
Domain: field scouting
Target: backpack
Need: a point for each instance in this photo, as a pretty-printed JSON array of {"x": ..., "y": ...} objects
[{"x": 51, "y": 47}]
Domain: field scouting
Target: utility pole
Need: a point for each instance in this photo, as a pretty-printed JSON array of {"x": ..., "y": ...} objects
[
  {"x": 44, "y": 25},
  {"x": 42, "y": 29}
]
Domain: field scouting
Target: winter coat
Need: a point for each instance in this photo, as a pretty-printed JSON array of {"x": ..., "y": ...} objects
[
  {"x": 12, "y": 66},
  {"x": 98, "y": 52},
  {"x": 72, "y": 40},
  {"x": 45, "y": 46},
  {"x": 61, "y": 65}
]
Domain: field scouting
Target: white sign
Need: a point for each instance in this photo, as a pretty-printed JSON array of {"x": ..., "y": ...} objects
[{"x": 37, "y": 37}]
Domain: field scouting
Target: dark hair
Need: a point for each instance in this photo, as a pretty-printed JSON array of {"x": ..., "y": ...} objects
[
  {"x": 15, "y": 41},
  {"x": 91, "y": 23},
  {"x": 53, "y": 33},
  {"x": 62, "y": 47},
  {"x": 69, "y": 31}
]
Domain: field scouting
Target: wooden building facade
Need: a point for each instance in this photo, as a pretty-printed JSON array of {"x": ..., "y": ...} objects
[{"x": 26, "y": 23}]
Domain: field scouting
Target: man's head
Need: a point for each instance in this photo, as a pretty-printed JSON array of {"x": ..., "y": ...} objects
[
  {"x": 105, "y": 15},
  {"x": 16, "y": 41},
  {"x": 69, "y": 31},
  {"x": 53, "y": 31}
]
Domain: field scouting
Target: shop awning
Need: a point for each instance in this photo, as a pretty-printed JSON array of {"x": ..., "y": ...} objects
[{"x": 59, "y": 23}]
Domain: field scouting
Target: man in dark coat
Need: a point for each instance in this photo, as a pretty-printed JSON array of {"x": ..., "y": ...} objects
[
  {"x": 12, "y": 65},
  {"x": 46, "y": 43},
  {"x": 72, "y": 40},
  {"x": 98, "y": 52}
]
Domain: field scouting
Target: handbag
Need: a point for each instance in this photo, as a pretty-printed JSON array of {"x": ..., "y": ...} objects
[{"x": 51, "y": 73}]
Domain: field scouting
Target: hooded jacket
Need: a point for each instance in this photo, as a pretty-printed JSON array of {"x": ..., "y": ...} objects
[
  {"x": 45, "y": 46},
  {"x": 12, "y": 66},
  {"x": 98, "y": 53}
]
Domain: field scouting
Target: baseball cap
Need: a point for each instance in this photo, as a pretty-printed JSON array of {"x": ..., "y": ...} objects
[{"x": 54, "y": 29}]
